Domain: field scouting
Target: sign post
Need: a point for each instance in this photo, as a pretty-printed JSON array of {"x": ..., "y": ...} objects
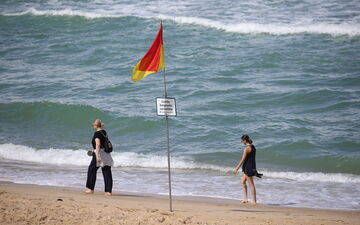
[{"x": 167, "y": 107}]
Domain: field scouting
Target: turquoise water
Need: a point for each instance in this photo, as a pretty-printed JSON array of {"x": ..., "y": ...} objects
[{"x": 286, "y": 73}]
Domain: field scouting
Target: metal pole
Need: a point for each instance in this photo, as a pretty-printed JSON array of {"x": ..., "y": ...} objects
[
  {"x": 168, "y": 154},
  {"x": 168, "y": 145}
]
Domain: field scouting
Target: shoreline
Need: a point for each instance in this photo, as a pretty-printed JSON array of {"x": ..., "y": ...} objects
[
  {"x": 34, "y": 204},
  {"x": 280, "y": 187},
  {"x": 204, "y": 199}
]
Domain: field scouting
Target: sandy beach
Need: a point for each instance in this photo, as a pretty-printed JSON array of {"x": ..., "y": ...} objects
[{"x": 28, "y": 204}]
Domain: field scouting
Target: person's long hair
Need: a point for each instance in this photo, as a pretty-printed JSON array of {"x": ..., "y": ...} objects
[{"x": 246, "y": 138}]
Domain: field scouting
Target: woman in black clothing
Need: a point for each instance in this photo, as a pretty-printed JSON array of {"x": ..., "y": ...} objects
[
  {"x": 248, "y": 167},
  {"x": 100, "y": 158}
]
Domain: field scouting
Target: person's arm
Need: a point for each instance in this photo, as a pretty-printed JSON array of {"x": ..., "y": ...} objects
[
  {"x": 246, "y": 151},
  {"x": 97, "y": 149}
]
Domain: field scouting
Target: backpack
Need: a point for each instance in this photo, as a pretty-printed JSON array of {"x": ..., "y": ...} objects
[{"x": 108, "y": 147}]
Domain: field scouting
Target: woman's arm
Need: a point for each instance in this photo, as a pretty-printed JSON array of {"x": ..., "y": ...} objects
[
  {"x": 246, "y": 151},
  {"x": 97, "y": 149}
]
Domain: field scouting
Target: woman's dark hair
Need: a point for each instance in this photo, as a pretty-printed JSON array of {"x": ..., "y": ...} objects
[{"x": 246, "y": 137}]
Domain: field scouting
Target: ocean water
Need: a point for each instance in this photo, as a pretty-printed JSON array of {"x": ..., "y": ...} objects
[{"x": 285, "y": 72}]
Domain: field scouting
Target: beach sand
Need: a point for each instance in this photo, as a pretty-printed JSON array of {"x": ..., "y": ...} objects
[{"x": 30, "y": 204}]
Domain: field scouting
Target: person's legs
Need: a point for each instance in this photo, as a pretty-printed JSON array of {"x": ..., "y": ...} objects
[
  {"x": 252, "y": 189},
  {"x": 91, "y": 175},
  {"x": 244, "y": 188},
  {"x": 106, "y": 170}
]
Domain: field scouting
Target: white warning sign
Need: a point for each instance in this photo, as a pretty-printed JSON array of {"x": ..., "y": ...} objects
[{"x": 166, "y": 106}]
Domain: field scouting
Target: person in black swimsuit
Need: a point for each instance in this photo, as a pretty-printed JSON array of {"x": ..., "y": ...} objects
[{"x": 248, "y": 165}]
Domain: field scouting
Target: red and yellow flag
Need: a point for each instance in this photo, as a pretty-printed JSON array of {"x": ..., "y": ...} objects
[{"x": 153, "y": 60}]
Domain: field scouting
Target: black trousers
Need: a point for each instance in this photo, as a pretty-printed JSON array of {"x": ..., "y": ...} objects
[{"x": 91, "y": 175}]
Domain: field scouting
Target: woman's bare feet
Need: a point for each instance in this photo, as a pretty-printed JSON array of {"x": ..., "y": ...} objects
[
  {"x": 108, "y": 194},
  {"x": 88, "y": 191},
  {"x": 253, "y": 203},
  {"x": 244, "y": 201}
]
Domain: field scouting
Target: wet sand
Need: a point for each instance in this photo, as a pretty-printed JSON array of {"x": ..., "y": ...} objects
[{"x": 31, "y": 204}]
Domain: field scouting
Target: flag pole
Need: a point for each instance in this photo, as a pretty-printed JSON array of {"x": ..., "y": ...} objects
[
  {"x": 168, "y": 145},
  {"x": 167, "y": 142}
]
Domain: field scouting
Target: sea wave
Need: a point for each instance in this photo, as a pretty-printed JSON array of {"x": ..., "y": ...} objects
[
  {"x": 273, "y": 29},
  {"x": 78, "y": 157},
  {"x": 47, "y": 115},
  {"x": 71, "y": 114},
  {"x": 62, "y": 12},
  {"x": 242, "y": 28}
]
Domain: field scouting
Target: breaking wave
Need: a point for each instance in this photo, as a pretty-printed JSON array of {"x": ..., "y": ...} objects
[
  {"x": 242, "y": 28},
  {"x": 130, "y": 159}
]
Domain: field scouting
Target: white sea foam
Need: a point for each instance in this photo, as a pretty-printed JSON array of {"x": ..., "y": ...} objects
[
  {"x": 131, "y": 159},
  {"x": 243, "y": 28},
  {"x": 315, "y": 176},
  {"x": 274, "y": 29},
  {"x": 48, "y": 156},
  {"x": 79, "y": 157},
  {"x": 63, "y": 12}
]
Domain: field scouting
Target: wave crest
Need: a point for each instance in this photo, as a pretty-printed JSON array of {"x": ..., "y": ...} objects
[
  {"x": 62, "y": 12},
  {"x": 242, "y": 28},
  {"x": 273, "y": 29}
]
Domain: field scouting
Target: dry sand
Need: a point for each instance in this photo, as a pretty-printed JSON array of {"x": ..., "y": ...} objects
[{"x": 25, "y": 204}]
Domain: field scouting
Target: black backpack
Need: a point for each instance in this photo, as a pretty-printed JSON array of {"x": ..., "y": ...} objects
[{"x": 108, "y": 147}]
